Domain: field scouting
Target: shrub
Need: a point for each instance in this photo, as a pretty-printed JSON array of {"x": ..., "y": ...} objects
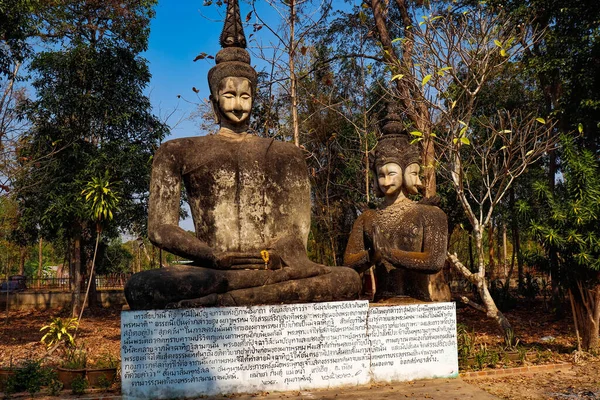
[
  {"x": 79, "y": 385},
  {"x": 54, "y": 387},
  {"x": 58, "y": 332},
  {"x": 75, "y": 359},
  {"x": 30, "y": 377}
]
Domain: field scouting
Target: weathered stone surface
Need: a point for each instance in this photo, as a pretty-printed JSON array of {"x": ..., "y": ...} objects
[
  {"x": 250, "y": 201},
  {"x": 406, "y": 241}
]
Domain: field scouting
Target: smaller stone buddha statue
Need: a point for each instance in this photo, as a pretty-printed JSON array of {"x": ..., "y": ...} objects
[
  {"x": 405, "y": 241},
  {"x": 250, "y": 201}
]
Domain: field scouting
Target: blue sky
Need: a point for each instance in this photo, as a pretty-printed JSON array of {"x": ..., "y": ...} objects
[{"x": 181, "y": 30}]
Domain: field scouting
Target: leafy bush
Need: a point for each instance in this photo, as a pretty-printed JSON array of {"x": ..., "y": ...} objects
[
  {"x": 79, "y": 385},
  {"x": 59, "y": 332},
  {"x": 502, "y": 297},
  {"x": 104, "y": 383},
  {"x": 107, "y": 360},
  {"x": 75, "y": 359},
  {"x": 466, "y": 341},
  {"x": 54, "y": 387},
  {"x": 30, "y": 377},
  {"x": 530, "y": 287}
]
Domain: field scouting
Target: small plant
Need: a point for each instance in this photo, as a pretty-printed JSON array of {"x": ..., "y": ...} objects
[
  {"x": 75, "y": 359},
  {"x": 54, "y": 387},
  {"x": 510, "y": 341},
  {"x": 466, "y": 341},
  {"x": 481, "y": 357},
  {"x": 58, "y": 331},
  {"x": 30, "y": 377},
  {"x": 107, "y": 360},
  {"x": 493, "y": 359},
  {"x": 543, "y": 356},
  {"x": 79, "y": 385},
  {"x": 522, "y": 355},
  {"x": 530, "y": 287},
  {"x": 104, "y": 383}
]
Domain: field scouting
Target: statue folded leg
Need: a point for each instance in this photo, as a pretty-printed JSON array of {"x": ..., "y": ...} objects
[{"x": 191, "y": 286}]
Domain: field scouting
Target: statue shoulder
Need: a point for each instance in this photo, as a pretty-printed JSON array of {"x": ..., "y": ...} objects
[
  {"x": 366, "y": 219},
  {"x": 432, "y": 213},
  {"x": 181, "y": 145},
  {"x": 287, "y": 148}
]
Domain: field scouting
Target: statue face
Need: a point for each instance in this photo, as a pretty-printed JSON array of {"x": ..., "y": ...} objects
[
  {"x": 389, "y": 178},
  {"x": 412, "y": 182},
  {"x": 235, "y": 99}
]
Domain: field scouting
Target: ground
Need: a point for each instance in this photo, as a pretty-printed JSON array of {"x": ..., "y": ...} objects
[
  {"x": 543, "y": 339},
  {"x": 574, "y": 382},
  {"x": 99, "y": 333}
]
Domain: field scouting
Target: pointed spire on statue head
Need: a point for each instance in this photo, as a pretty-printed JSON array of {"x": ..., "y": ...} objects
[
  {"x": 394, "y": 146},
  {"x": 233, "y": 60},
  {"x": 392, "y": 123},
  {"x": 233, "y": 30}
]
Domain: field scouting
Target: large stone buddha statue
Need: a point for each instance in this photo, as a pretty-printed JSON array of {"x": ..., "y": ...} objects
[{"x": 250, "y": 201}]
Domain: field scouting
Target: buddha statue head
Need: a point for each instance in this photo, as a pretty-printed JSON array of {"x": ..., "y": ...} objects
[
  {"x": 396, "y": 162},
  {"x": 232, "y": 80}
]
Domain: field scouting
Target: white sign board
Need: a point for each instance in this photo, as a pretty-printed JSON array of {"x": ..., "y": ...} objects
[{"x": 204, "y": 351}]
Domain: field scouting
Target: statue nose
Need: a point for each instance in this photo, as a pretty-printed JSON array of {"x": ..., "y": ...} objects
[{"x": 237, "y": 105}]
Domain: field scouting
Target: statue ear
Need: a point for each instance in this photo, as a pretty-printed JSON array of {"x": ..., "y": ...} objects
[{"x": 215, "y": 107}]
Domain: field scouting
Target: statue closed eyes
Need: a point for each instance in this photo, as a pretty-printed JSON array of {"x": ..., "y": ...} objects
[
  {"x": 250, "y": 201},
  {"x": 406, "y": 241}
]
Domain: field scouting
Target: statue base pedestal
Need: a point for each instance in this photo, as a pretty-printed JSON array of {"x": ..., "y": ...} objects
[{"x": 206, "y": 351}]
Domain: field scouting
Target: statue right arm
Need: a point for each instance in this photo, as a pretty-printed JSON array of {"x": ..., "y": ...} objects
[{"x": 163, "y": 208}]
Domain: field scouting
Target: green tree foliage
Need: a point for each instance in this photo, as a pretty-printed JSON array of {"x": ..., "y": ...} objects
[
  {"x": 116, "y": 258},
  {"x": 565, "y": 61},
  {"x": 101, "y": 199},
  {"x": 568, "y": 219},
  {"x": 17, "y": 24},
  {"x": 90, "y": 118},
  {"x": 566, "y": 222}
]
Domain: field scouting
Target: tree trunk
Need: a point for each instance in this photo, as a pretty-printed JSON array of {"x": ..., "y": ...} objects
[
  {"x": 492, "y": 263},
  {"x": 93, "y": 293},
  {"x": 153, "y": 257},
  {"x": 471, "y": 258},
  {"x": 489, "y": 307},
  {"x": 40, "y": 259},
  {"x": 75, "y": 273},
  {"x": 586, "y": 304},
  {"x": 504, "y": 251},
  {"x": 22, "y": 258},
  {"x": 516, "y": 237},
  {"x": 555, "y": 282},
  {"x": 408, "y": 89},
  {"x": 479, "y": 280},
  {"x": 293, "y": 79}
]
